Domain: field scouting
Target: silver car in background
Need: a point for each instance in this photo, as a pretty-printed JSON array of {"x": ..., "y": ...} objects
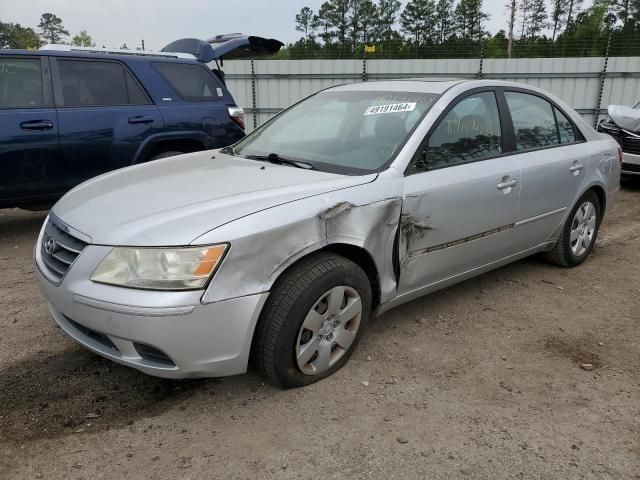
[{"x": 351, "y": 202}]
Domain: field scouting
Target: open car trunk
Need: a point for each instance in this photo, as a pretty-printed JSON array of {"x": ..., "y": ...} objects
[{"x": 228, "y": 46}]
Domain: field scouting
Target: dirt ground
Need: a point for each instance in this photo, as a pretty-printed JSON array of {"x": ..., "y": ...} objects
[{"x": 481, "y": 380}]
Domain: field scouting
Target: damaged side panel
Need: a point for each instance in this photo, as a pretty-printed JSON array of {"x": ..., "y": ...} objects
[{"x": 264, "y": 244}]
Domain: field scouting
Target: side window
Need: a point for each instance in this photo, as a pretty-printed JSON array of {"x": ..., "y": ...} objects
[
  {"x": 533, "y": 121},
  {"x": 469, "y": 132},
  {"x": 20, "y": 83},
  {"x": 191, "y": 82},
  {"x": 90, "y": 83},
  {"x": 565, "y": 128}
]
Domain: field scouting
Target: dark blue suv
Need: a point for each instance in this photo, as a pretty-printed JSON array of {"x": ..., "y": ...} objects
[{"x": 68, "y": 114}]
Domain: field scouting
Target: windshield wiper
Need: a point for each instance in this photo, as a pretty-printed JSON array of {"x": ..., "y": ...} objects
[{"x": 278, "y": 160}]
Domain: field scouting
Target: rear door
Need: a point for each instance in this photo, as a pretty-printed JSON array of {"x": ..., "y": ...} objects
[
  {"x": 29, "y": 150},
  {"x": 553, "y": 159},
  {"x": 461, "y": 196},
  {"x": 104, "y": 116}
]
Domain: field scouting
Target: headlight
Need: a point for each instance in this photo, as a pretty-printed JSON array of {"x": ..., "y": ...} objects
[{"x": 159, "y": 268}]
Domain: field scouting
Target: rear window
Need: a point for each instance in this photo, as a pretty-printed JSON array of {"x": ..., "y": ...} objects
[
  {"x": 191, "y": 82},
  {"x": 20, "y": 83}
]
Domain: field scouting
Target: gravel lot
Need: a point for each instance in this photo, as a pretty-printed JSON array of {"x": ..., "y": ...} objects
[{"x": 481, "y": 380}]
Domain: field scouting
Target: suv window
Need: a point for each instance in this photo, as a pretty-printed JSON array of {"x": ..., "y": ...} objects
[
  {"x": 533, "y": 121},
  {"x": 191, "y": 82},
  {"x": 21, "y": 83},
  {"x": 469, "y": 132},
  {"x": 91, "y": 83}
]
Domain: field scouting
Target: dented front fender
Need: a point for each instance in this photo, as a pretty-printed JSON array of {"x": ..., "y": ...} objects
[{"x": 266, "y": 243}]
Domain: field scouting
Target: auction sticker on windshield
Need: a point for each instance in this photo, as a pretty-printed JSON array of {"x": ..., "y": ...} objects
[{"x": 391, "y": 108}]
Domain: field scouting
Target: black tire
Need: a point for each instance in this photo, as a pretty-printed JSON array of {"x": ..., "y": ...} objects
[
  {"x": 169, "y": 153},
  {"x": 292, "y": 297},
  {"x": 562, "y": 254}
]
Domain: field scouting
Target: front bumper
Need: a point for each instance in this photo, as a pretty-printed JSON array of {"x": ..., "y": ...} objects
[
  {"x": 165, "y": 334},
  {"x": 630, "y": 164}
]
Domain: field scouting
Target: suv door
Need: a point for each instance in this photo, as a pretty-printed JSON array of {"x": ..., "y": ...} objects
[
  {"x": 553, "y": 159},
  {"x": 461, "y": 196},
  {"x": 29, "y": 150},
  {"x": 104, "y": 116}
]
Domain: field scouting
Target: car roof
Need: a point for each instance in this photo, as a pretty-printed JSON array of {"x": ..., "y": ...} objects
[
  {"x": 432, "y": 85},
  {"x": 126, "y": 55}
]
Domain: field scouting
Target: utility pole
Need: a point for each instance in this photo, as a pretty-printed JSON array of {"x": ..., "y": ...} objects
[
  {"x": 143, "y": 44},
  {"x": 512, "y": 6}
]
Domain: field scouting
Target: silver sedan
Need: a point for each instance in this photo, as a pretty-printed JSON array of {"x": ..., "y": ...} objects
[{"x": 358, "y": 199}]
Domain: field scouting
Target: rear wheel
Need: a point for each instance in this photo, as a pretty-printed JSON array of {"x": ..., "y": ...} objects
[
  {"x": 169, "y": 153},
  {"x": 579, "y": 232},
  {"x": 313, "y": 320}
]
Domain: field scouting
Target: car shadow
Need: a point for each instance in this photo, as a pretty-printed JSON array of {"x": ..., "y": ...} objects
[{"x": 20, "y": 223}]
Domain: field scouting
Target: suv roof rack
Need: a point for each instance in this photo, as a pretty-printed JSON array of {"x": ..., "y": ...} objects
[{"x": 73, "y": 48}]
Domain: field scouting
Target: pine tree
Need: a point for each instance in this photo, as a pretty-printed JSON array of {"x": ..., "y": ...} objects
[
  {"x": 538, "y": 20},
  {"x": 443, "y": 21},
  {"x": 470, "y": 19},
  {"x": 51, "y": 28},
  {"x": 305, "y": 23},
  {"x": 418, "y": 21},
  {"x": 387, "y": 16}
]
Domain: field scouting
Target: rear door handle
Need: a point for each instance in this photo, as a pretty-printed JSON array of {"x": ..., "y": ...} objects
[
  {"x": 140, "y": 119},
  {"x": 508, "y": 184},
  {"x": 37, "y": 125},
  {"x": 576, "y": 167}
]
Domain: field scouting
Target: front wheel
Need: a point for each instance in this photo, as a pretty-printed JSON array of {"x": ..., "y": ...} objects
[
  {"x": 579, "y": 232},
  {"x": 313, "y": 320}
]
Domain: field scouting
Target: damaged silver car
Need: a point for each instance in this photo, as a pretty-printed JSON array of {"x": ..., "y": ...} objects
[
  {"x": 355, "y": 200},
  {"x": 623, "y": 125}
]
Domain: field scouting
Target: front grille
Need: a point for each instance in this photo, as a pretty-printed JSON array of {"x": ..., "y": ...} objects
[
  {"x": 59, "y": 249},
  {"x": 630, "y": 167},
  {"x": 629, "y": 144},
  {"x": 101, "y": 338}
]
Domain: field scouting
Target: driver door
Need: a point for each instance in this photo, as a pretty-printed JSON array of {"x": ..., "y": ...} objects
[{"x": 461, "y": 197}]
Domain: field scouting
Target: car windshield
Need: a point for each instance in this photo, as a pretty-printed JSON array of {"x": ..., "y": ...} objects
[{"x": 349, "y": 132}]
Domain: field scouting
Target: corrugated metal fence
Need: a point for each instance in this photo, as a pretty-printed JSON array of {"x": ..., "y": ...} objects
[{"x": 264, "y": 87}]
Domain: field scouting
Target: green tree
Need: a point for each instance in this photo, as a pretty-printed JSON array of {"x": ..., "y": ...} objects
[
  {"x": 538, "y": 20},
  {"x": 323, "y": 21},
  {"x": 368, "y": 18},
  {"x": 470, "y": 19},
  {"x": 443, "y": 20},
  {"x": 51, "y": 28},
  {"x": 83, "y": 39},
  {"x": 388, "y": 11},
  {"x": 418, "y": 20},
  {"x": 305, "y": 22},
  {"x": 17, "y": 36}
]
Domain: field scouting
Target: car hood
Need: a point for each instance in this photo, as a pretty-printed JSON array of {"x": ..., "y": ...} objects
[{"x": 175, "y": 200}]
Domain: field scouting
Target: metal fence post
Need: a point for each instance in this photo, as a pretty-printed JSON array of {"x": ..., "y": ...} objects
[
  {"x": 253, "y": 95},
  {"x": 481, "y": 58},
  {"x": 364, "y": 66},
  {"x": 603, "y": 76}
]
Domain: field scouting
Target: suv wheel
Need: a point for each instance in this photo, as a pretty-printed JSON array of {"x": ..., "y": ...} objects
[
  {"x": 313, "y": 320},
  {"x": 170, "y": 153}
]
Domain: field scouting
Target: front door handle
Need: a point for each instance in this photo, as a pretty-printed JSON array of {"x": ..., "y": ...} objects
[
  {"x": 576, "y": 167},
  {"x": 37, "y": 125},
  {"x": 507, "y": 184},
  {"x": 140, "y": 119}
]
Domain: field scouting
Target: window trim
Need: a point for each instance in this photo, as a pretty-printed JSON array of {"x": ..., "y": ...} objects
[
  {"x": 45, "y": 76},
  {"x": 57, "y": 84},
  {"x": 190, "y": 99},
  {"x": 506, "y": 127},
  {"x": 577, "y": 134},
  {"x": 424, "y": 144}
]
